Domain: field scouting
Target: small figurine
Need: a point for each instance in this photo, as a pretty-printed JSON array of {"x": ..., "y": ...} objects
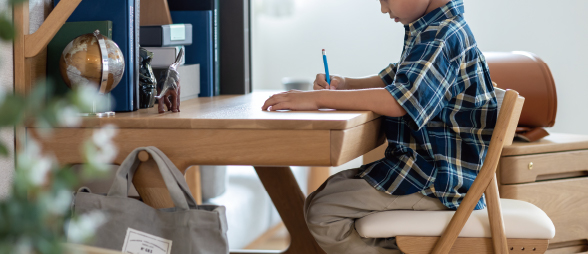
[
  {"x": 147, "y": 80},
  {"x": 168, "y": 87}
]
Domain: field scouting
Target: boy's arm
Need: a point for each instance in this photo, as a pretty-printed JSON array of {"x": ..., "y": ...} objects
[
  {"x": 364, "y": 83},
  {"x": 377, "y": 100},
  {"x": 383, "y": 79}
]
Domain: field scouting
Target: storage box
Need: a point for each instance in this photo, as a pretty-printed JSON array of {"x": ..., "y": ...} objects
[{"x": 551, "y": 173}]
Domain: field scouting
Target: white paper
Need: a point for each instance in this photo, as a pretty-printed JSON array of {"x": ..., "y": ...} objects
[{"x": 137, "y": 242}]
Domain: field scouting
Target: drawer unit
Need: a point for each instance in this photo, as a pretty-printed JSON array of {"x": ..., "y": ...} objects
[{"x": 553, "y": 175}]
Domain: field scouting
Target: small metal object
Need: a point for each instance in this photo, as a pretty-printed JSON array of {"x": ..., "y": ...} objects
[
  {"x": 530, "y": 165},
  {"x": 104, "y": 54}
]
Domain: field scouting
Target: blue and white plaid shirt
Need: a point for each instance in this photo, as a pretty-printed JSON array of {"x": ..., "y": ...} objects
[{"x": 443, "y": 83}]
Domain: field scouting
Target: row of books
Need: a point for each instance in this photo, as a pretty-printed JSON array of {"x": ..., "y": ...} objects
[{"x": 120, "y": 21}]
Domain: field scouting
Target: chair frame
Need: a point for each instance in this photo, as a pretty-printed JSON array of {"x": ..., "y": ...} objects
[{"x": 485, "y": 183}]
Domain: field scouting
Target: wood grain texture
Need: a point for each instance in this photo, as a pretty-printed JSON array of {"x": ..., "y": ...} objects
[
  {"x": 495, "y": 216},
  {"x": 150, "y": 185},
  {"x": 564, "y": 201},
  {"x": 194, "y": 180},
  {"x": 349, "y": 144},
  {"x": 579, "y": 249},
  {"x": 155, "y": 13},
  {"x": 234, "y": 112},
  {"x": 316, "y": 177},
  {"x": 464, "y": 245},
  {"x": 515, "y": 169},
  {"x": 279, "y": 183},
  {"x": 21, "y": 25},
  {"x": 38, "y": 41},
  {"x": 375, "y": 154},
  {"x": 187, "y": 147},
  {"x": 555, "y": 142},
  {"x": 506, "y": 123}
]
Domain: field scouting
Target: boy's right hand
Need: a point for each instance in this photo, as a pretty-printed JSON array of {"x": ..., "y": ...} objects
[{"x": 337, "y": 82}]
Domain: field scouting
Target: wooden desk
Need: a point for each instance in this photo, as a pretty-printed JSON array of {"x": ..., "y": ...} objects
[{"x": 233, "y": 130}]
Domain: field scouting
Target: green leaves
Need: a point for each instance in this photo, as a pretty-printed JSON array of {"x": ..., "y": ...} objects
[
  {"x": 12, "y": 110},
  {"x": 3, "y": 150},
  {"x": 6, "y": 28}
]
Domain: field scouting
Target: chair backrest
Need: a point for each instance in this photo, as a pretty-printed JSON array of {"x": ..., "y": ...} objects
[{"x": 503, "y": 134}]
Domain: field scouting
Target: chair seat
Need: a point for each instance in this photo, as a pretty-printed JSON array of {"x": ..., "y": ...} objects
[{"x": 521, "y": 220}]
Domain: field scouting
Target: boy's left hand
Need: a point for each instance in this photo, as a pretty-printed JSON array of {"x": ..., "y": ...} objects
[{"x": 293, "y": 100}]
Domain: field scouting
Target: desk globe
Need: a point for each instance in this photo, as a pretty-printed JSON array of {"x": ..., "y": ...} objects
[{"x": 92, "y": 59}]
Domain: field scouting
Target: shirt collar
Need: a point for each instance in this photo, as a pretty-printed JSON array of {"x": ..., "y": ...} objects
[{"x": 450, "y": 10}]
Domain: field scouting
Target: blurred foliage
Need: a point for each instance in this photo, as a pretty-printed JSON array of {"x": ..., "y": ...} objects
[{"x": 33, "y": 217}]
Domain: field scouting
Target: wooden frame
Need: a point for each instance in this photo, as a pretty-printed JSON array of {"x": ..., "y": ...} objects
[{"x": 485, "y": 183}]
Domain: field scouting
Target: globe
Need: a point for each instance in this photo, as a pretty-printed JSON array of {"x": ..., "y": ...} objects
[{"x": 83, "y": 62}]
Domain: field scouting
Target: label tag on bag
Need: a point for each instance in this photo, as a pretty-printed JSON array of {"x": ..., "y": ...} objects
[{"x": 137, "y": 242}]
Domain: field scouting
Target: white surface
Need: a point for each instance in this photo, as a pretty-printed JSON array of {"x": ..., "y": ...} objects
[
  {"x": 361, "y": 41},
  {"x": 521, "y": 220}
]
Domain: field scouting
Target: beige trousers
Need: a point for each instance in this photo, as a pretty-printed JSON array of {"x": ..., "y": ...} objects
[{"x": 331, "y": 211}]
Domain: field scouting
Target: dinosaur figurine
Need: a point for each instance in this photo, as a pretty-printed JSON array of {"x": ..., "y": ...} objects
[{"x": 168, "y": 87}]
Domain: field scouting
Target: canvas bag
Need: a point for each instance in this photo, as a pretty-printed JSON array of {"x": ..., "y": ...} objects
[{"x": 191, "y": 228}]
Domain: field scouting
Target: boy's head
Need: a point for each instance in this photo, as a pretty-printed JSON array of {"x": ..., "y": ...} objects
[{"x": 408, "y": 11}]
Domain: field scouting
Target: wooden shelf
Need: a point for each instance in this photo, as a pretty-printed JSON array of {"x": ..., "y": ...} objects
[{"x": 30, "y": 49}]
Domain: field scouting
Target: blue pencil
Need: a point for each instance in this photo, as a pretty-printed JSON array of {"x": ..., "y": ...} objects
[{"x": 326, "y": 68}]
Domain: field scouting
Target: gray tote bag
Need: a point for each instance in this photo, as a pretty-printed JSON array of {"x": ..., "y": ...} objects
[{"x": 133, "y": 227}]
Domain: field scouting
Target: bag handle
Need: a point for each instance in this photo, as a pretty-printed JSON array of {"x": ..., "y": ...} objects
[{"x": 174, "y": 180}]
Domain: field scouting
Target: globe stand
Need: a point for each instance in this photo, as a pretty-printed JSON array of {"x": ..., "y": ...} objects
[{"x": 95, "y": 112}]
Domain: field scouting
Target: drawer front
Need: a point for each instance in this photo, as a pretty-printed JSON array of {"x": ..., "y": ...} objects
[
  {"x": 530, "y": 168},
  {"x": 564, "y": 201}
]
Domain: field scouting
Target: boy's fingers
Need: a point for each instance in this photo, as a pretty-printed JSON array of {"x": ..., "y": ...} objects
[
  {"x": 280, "y": 106},
  {"x": 275, "y": 99}
]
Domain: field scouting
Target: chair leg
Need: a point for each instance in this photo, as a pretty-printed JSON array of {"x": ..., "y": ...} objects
[{"x": 495, "y": 217}]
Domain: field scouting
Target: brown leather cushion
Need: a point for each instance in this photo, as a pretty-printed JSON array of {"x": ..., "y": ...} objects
[{"x": 530, "y": 76}]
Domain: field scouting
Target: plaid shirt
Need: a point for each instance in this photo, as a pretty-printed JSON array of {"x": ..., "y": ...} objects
[{"x": 443, "y": 83}]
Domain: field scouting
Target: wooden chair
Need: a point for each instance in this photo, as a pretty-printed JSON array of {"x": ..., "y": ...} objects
[{"x": 528, "y": 228}]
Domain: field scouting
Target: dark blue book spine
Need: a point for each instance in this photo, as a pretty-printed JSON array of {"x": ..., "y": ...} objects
[
  {"x": 137, "y": 26},
  {"x": 201, "y": 50},
  {"x": 131, "y": 28},
  {"x": 120, "y": 13}
]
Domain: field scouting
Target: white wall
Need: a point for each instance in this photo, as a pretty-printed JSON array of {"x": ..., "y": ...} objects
[{"x": 361, "y": 41}]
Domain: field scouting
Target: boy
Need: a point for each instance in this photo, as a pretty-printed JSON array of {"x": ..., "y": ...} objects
[{"x": 439, "y": 112}]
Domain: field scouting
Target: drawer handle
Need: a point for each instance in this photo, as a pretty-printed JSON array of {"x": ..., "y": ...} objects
[{"x": 530, "y": 165}]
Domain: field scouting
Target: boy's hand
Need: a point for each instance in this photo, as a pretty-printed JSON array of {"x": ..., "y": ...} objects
[
  {"x": 293, "y": 100},
  {"x": 337, "y": 82}
]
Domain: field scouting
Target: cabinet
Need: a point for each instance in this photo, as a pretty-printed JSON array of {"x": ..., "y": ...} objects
[{"x": 552, "y": 174}]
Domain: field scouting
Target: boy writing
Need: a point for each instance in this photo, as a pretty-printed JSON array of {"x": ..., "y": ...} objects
[{"x": 439, "y": 111}]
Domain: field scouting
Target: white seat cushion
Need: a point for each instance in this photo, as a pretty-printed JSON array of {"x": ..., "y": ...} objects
[{"x": 521, "y": 220}]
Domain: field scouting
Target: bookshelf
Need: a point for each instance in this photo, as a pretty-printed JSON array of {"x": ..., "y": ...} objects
[{"x": 30, "y": 50}]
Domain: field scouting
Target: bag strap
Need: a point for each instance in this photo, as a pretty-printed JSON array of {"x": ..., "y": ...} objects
[{"x": 174, "y": 180}]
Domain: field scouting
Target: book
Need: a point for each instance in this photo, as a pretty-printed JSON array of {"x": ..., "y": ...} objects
[
  {"x": 205, "y": 5},
  {"x": 164, "y": 56},
  {"x": 166, "y": 35},
  {"x": 68, "y": 32},
  {"x": 189, "y": 80},
  {"x": 137, "y": 53},
  {"x": 201, "y": 50},
  {"x": 122, "y": 14}
]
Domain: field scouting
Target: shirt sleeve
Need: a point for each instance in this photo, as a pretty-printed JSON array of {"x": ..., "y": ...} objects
[
  {"x": 388, "y": 73},
  {"x": 423, "y": 81}
]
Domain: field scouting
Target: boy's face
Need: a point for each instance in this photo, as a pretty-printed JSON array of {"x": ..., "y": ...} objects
[{"x": 405, "y": 11}]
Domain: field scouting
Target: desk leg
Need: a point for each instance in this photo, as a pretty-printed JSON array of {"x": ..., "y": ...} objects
[{"x": 284, "y": 191}]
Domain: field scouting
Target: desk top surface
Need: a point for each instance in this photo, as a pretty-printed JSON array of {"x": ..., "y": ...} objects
[{"x": 234, "y": 112}]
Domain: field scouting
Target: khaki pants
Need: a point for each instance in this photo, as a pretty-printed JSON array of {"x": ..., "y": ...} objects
[{"x": 331, "y": 211}]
